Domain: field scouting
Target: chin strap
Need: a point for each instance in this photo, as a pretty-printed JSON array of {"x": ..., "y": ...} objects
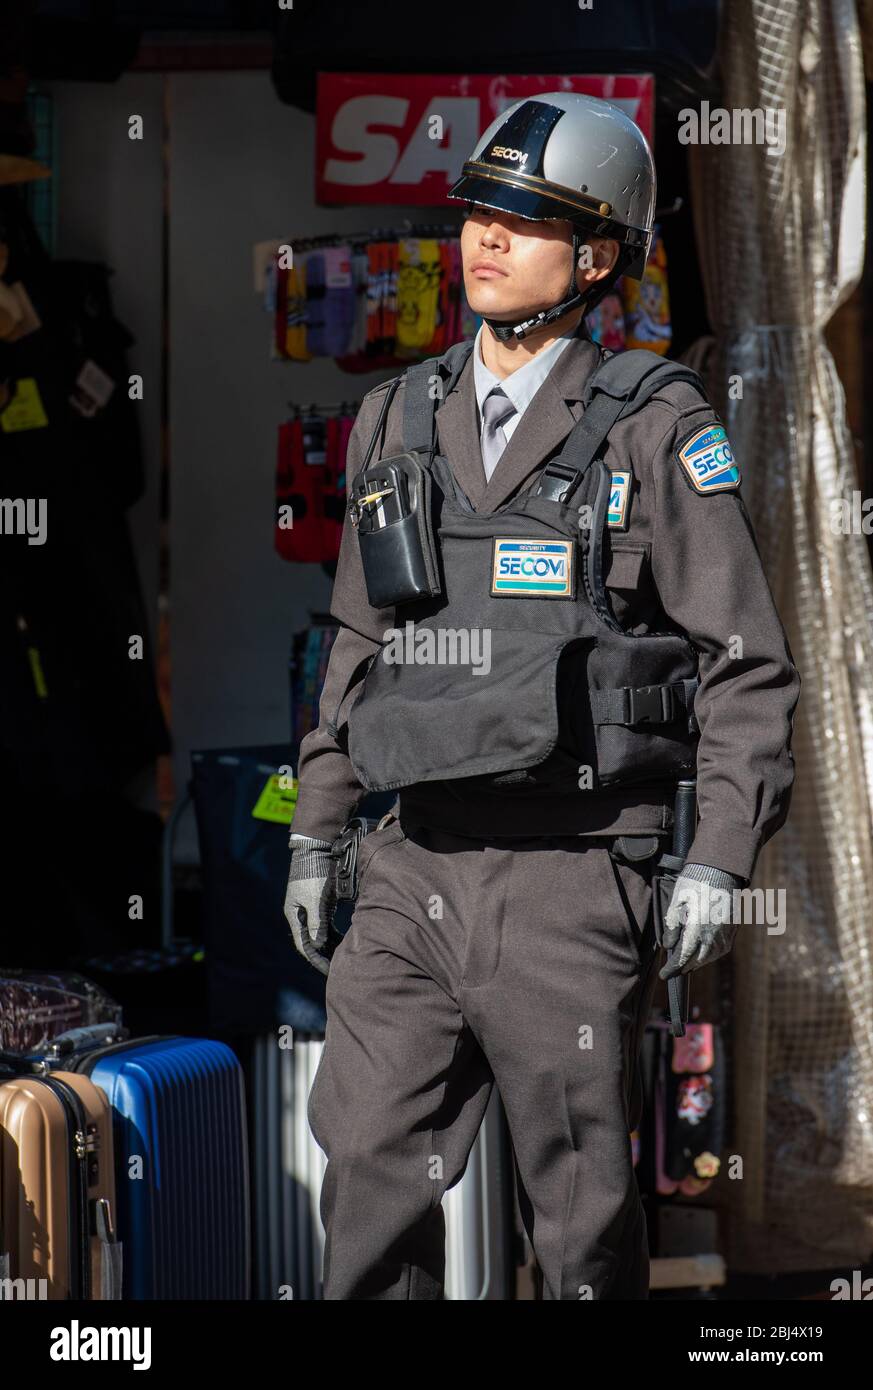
[{"x": 573, "y": 297}]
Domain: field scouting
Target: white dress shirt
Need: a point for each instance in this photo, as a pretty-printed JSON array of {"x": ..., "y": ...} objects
[{"x": 520, "y": 386}]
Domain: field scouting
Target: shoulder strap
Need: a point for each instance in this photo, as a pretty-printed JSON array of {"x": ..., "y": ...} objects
[
  {"x": 634, "y": 376},
  {"x": 619, "y": 387},
  {"x": 420, "y": 403}
]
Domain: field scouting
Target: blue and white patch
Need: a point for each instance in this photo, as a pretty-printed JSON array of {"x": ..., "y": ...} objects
[
  {"x": 708, "y": 460},
  {"x": 532, "y": 568},
  {"x": 618, "y": 512}
]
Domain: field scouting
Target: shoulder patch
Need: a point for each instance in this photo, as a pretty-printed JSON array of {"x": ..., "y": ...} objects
[
  {"x": 618, "y": 513},
  {"x": 708, "y": 460}
]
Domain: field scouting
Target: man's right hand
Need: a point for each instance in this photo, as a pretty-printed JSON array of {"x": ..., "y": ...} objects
[{"x": 309, "y": 903}]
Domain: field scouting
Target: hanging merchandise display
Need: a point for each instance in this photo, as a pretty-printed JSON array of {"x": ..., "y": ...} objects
[
  {"x": 690, "y": 1110},
  {"x": 636, "y": 313},
  {"x": 679, "y": 1141},
  {"x": 647, "y": 303},
  {"x": 419, "y": 273},
  {"x": 290, "y": 314},
  {"x": 374, "y": 300},
  {"x": 310, "y": 482},
  {"x": 330, "y": 301},
  {"x": 307, "y": 666},
  {"x": 606, "y": 321}
]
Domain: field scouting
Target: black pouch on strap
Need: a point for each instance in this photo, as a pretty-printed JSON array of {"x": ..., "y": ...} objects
[
  {"x": 391, "y": 502},
  {"x": 391, "y": 506}
]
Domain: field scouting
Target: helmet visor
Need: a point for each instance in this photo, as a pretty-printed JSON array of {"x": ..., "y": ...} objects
[{"x": 536, "y": 199}]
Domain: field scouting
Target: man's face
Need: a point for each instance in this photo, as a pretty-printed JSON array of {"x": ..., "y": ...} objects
[{"x": 512, "y": 265}]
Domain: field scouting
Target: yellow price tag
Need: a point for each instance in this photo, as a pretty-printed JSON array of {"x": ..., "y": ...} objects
[
  {"x": 25, "y": 410},
  {"x": 37, "y": 672},
  {"x": 276, "y": 803}
]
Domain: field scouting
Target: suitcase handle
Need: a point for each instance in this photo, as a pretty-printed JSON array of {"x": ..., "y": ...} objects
[
  {"x": 80, "y": 1039},
  {"x": 110, "y": 1251},
  {"x": 61, "y": 1049}
]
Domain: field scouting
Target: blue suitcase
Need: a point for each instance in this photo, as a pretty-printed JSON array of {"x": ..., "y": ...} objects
[{"x": 182, "y": 1165}]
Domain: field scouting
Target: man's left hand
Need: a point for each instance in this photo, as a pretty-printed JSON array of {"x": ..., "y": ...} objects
[{"x": 699, "y": 919}]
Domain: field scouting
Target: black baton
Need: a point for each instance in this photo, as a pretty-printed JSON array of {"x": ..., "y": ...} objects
[{"x": 671, "y": 865}]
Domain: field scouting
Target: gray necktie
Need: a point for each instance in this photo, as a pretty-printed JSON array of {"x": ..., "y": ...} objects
[{"x": 496, "y": 409}]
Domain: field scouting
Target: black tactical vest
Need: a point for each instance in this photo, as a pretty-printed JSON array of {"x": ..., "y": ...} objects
[{"x": 517, "y": 676}]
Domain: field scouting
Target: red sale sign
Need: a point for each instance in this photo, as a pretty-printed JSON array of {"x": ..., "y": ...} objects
[{"x": 389, "y": 138}]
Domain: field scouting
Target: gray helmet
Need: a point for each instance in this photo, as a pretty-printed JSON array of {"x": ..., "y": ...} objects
[{"x": 570, "y": 156}]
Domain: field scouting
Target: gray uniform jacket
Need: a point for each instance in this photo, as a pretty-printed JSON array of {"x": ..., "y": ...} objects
[{"x": 687, "y": 560}]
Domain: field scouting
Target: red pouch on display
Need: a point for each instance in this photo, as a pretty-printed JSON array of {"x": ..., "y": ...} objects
[{"x": 300, "y": 486}]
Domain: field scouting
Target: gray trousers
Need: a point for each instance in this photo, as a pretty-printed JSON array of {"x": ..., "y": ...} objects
[{"x": 529, "y": 962}]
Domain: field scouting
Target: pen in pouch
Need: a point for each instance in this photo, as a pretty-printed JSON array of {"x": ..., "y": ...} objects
[{"x": 394, "y": 506}]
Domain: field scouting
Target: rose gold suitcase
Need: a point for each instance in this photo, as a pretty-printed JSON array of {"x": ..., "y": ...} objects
[{"x": 57, "y": 1190}]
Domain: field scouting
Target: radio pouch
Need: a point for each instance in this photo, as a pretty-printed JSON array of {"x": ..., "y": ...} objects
[
  {"x": 391, "y": 502},
  {"x": 391, "y": 506}
]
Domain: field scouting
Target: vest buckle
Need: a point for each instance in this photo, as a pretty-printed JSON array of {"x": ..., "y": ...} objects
[
  {"x": 650, "y": 704},
  {"x": 557, "y": 481}
]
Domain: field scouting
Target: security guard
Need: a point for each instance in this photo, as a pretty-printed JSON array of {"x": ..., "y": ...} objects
[{"x": 503, "y": 926}]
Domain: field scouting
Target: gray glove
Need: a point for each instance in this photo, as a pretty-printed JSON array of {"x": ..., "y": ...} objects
[
  {"x": 700, "y": 916},
  {"x": 309, "y": 905}
]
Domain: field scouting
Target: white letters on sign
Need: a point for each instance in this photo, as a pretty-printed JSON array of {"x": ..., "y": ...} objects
[
  {"x": 349, "y": 132},
  {"x": 383, "y": 156}
]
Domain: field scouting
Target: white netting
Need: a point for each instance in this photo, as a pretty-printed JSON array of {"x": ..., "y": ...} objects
[{"x": 781, "y": 241}]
